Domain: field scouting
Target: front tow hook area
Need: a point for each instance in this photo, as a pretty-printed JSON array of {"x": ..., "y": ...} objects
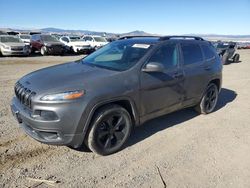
[{"x": 16, "y": 114}]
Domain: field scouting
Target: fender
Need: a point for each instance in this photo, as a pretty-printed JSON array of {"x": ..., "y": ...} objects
[{"x": 106, "y": 102}]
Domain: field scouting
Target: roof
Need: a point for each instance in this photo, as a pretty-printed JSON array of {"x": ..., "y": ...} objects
[
  {"x": 147, "y": 40},
  {"x": 8, "y": 36},
  {"x": 163, "y": 38}
]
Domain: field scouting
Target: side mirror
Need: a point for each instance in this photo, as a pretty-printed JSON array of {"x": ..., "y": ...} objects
[{"x": 153, "y": 67}]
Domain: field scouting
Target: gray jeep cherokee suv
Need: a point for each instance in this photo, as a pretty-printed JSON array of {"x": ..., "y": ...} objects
[{"x": 97, "y": 100}]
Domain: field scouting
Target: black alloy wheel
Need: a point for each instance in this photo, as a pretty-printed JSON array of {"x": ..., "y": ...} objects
[
  {"x": 110, "y": 130},
  {"x": 209, "y": 100}
]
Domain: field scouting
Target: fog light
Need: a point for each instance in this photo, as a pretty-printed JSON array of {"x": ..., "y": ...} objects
[
  {"x": 45, "y": 115},
  {"x": 48, "y": 115}
]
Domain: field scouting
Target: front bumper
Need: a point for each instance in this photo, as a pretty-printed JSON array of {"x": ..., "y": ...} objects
[
  {"x": 55, "y": 49},
  {"x": 61, "y": 131},
  {"x": 83, "y": 49},
  {"x": 13, "y": 52}
]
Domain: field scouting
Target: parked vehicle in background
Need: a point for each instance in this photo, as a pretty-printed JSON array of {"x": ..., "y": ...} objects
[
  {"x": 244, "y": 45},
  {"x": 25, "y": 38},
  {"x": 3, "y": 33},
  {"x": 56, "y": 35},
  {"x": 95, "y": 41},
  {"x": 77, "y": 45},
  {"x": 13, "y": 32},
  {"x": 34, "y": 32},
  {"x": 47, "y": 45},
  {"x": 227, "y": 52},
  {"x": 98, "y": 100},
  {"x": 111, "y": 39},
  {"x": 13, "y": 45}
]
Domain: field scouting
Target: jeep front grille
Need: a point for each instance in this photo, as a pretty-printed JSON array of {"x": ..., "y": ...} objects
[{"x": 24, "y": 95}]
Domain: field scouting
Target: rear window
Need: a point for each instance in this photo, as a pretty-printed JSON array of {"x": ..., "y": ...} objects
[
  {"x": 191, "y": 53},
  {"x": 208, "y": 51}
]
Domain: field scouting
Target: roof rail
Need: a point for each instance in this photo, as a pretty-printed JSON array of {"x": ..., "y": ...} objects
[
  {"x": 136, "y": 36},
  {"x": 183, "y": 37}
]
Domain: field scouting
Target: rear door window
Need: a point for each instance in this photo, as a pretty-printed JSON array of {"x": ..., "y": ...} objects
[{"x": 191, "y": 53}]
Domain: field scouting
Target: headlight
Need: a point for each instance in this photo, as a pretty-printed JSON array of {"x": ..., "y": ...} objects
[
  {"x": 6, "y": 47},
  {"x": 26, "y": 47},
  {"x": 69, "y": 95}
]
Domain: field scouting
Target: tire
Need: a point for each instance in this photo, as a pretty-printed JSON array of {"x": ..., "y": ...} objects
[
  {"x": 71, "y": 50},
  {"x": 110, "y": 129},
  {"x": 33, "y": 50},
  {"x": 62, "y": 53},
  {"x": 236, "y": 58},
  {"x": 43, "y": 51},
  {"x": 209, "y": 100},
  {"x": 225, "y": 60}
]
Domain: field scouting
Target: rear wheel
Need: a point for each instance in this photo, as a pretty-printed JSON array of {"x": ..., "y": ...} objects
[
  {"x": 109, "y": 130},
  {"x": 209, "y": 100},
  {"x": 236, "y": 58},
  {"x": 225, "y": 60}
]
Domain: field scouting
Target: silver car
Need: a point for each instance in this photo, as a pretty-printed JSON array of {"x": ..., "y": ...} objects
[{"x": 12, "y": 45}]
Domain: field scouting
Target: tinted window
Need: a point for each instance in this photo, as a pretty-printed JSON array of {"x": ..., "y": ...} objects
[
  {"x": 191, "y": 53},
  {"x": 208, "y": 51},
  {"x": 33, "y": 37},
  {"x": 167, "y": 55},
  {"x": 87, "y": 38},
  {"x": 65, "y": 39},
  {"x": 49, "y": 38}
]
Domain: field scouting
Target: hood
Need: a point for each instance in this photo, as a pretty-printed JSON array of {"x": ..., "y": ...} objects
[
  {"x": 14, "y": 44},
  {"x": 26, "y": 40},
  {"x": 64, "y": 77},
  {"x": 48, "y": 43},
  {"x": 101, "y": 43},
  {"x": 80, "y": 43}
]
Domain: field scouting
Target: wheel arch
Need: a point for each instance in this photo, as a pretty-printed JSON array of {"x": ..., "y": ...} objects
[
  {"x": 217, "y": 82},
  {"x": 125, "y": 102}
]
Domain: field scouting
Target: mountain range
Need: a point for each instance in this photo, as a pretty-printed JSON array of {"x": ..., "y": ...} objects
[{"x": 137, "y": 32}]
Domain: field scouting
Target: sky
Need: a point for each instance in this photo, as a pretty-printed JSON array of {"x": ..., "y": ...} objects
[{"x": 120, "y": 16}]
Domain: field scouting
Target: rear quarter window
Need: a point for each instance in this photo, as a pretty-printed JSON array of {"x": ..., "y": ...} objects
[
  {"x": 208, "y": 51},
  {"x": 191, "y": 53}
]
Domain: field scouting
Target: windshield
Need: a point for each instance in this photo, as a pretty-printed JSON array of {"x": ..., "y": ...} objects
[
  {"x": 222, "y": 45},
  {"x": 24, "y": 36},
  {"x": 10, "y": 39},
  {"x": 74, "y": 39},
  {"x": 100, "y": 39},
  {"x": 49, "y": 38},
  {"x": 119, "y": 55}
]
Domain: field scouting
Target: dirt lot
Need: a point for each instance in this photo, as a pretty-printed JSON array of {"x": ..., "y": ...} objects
[{"x": 186, "y": 149}]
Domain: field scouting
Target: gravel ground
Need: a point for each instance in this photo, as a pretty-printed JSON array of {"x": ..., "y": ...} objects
[{"x": 182, "y": 149}]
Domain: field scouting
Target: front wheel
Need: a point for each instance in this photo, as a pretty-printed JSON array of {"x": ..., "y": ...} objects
[
  {"x": 209, "y": 100},
  {"x": 109, "y": 131},
  {"x": 43, "y": 51}
]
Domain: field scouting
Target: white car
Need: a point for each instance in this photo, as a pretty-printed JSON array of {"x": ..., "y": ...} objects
[
  {"x": 76, "y": 44},
  {"x": 12, "y": 45},
  {"x": 95, "y": 41},
  {"x": 25, "y": 38}
]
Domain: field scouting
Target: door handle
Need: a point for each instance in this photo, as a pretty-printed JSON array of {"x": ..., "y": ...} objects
[
  {"x": 207, "y": 67},
  {"x": 178, "y": 75}
]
